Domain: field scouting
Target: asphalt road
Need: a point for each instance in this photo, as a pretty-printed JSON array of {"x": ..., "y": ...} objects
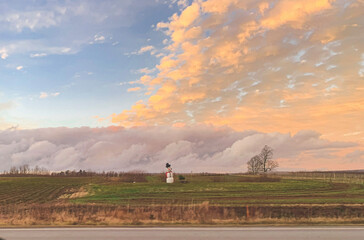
[{"x": 251, "y": 233}]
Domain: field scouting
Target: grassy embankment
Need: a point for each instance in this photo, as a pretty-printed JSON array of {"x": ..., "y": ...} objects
[{"x": 203, "y": 199}]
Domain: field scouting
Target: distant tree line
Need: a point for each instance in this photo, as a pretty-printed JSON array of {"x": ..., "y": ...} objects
[
  {"x": 26, "y": 170},
  {"x": 263, "y": 162}
]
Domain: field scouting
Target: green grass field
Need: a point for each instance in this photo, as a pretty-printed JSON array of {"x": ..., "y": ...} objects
[{"x": 229, "y": 190}]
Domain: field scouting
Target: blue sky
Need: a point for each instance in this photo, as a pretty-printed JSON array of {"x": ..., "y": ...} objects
[{"x": 64, "y": 62}]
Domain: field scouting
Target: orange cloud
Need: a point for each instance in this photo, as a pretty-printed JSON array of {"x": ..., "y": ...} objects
[
  {"x": 271, "y": 68},
  {"x": 188, "y": 16},
  {"x": 135, "y": 89},
  {"x": 294, "y": 13},
  {"x": 217, "y": 6},
  {"x": 192, "y": 96},
  {"x": 263, "y": 6}
]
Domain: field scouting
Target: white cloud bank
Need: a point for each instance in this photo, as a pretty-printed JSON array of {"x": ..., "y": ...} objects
[{"x": 198, "y": 148}]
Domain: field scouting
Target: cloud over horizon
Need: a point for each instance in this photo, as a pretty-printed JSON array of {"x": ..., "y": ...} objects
[{"x": 199, "y": 148}]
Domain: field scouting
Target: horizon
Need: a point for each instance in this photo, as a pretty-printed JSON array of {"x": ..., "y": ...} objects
[{"x": 204, "y": 85}]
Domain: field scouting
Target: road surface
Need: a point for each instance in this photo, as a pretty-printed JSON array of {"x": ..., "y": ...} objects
[{"x": 251, "y": 233}]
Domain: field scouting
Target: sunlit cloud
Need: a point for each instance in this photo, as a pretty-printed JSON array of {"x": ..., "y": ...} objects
[
  {"x": 146, "y": 70},
  {"x": 270, "y": 64},
  {"x": 144, "y": 49},
  {"x": 135, "y": 89}
]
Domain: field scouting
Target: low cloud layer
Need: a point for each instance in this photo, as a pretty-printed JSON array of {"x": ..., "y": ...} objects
[{"x": 197, "y": 148}]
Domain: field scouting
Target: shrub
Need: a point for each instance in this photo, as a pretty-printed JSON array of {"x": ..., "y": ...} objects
[{"x": 181, "y": 177}]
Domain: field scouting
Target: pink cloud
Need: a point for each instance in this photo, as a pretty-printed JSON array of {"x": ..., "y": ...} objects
[{"x": 197, "y": 148}]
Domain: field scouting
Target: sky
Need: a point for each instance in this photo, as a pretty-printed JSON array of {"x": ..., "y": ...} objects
[{"x": 202, "y": 84}]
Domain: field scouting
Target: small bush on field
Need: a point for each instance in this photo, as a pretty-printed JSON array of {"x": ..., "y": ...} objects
[{"x": 181, "y": 177}]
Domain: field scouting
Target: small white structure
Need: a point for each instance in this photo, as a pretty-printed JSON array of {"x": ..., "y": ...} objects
[{"x": 169, "y": 174}]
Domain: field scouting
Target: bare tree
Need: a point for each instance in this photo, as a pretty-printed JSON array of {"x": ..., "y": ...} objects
[
  {"x": 271, "y": 165},
  {"x": 255, "y": 165},
  {"x": 24, "y": 169},
  {"x": 14, "y": 170},
  {"x": 266, "y": 156},
  {"x": 262, "y": 162}
]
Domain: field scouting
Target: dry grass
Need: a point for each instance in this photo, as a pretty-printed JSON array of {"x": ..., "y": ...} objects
[
  {"x": 82, "y": 192},
  {"x": 91, "y": 214}
]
